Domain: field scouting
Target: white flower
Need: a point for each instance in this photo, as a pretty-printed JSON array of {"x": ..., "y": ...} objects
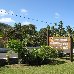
[
  {"x": 25, "y": 55},
  {"x": 41, "y": 46}
]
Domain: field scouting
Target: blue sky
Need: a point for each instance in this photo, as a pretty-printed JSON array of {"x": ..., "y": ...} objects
[{"x": 50, "y": 11}]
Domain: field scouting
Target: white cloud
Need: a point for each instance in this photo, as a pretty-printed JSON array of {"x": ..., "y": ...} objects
[
  {"x": 24, "y": 11},
  {"x": 26, "y": 23},
  {"x": 6, "y": 20},
  {"x": 10, "y": 12},
  {"x": 3, "y": 12},
  {"x": 57, "y": 15}
]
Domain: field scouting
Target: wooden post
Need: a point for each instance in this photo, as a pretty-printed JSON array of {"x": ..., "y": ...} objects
[
  {"x": 47, "y": 37},
  {"x": 71, "y": 49}
]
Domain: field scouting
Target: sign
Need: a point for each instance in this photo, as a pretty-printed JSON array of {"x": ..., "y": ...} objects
[{"x": 61, "y": 43}]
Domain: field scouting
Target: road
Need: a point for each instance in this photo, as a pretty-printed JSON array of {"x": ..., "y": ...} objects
[{"x": 13, "y": 55}]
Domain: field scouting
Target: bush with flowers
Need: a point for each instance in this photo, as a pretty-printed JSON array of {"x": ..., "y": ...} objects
[
  {"x": 40, "y": 55},
  {"x": 32, "y": 56}
]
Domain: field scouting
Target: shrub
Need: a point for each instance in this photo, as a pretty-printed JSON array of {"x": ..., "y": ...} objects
[
  {"x": 17, "y": 46},
  {"x": 38, "y": 56},
  {"x": 32, "y": 56},
  {"x": 14, "y": 45}
]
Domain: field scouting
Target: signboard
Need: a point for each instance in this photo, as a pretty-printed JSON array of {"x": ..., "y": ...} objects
[{"x": 61, "y": 43}]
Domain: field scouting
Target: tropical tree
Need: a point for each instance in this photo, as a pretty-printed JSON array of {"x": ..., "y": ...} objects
[
  {"x": 43, "y": 36},
  {"x": 69, "y": 30},
  {"x": 61, "y": 29}
]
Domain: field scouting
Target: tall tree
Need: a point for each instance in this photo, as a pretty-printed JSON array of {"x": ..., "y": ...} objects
[
  {"x": 69, "y": 30},
  {"x": 61, "y": 29},
  {"x": 43, "y": 36}
]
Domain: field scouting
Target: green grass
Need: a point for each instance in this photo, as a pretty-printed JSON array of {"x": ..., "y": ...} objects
[{"x": 60, "y": 68}]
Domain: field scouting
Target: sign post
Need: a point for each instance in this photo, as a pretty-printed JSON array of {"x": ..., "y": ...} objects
[
  {"x": 71, "y": 49},
  {"x": 62, "y": 43}
]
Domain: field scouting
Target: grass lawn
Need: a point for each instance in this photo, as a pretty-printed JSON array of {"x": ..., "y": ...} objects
[{"x": 60, "y": 68}]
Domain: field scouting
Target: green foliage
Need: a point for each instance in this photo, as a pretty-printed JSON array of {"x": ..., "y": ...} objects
[
  {"x": 3, "y": 28},
  {"x": 31, "y": 56},
  {"x": 38, "y": 56},
  {"x": 15, "y": 45},
  {"x": 1, "y": 34},
  {"x": 46, "y": 52},
  {"x": 1, "y": 42},
  {"x": 43, "y": 36},
  {"x": 31, "y": 35}
]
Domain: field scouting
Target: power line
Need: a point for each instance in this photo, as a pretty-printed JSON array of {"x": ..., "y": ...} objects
[{"x": 24, "y": 17}]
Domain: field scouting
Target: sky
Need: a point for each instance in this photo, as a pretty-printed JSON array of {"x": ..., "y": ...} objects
[{"x": 38, "y": 12}]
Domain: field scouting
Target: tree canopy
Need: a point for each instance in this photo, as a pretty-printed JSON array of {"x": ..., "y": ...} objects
[{"x": 30, "y": 35}]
